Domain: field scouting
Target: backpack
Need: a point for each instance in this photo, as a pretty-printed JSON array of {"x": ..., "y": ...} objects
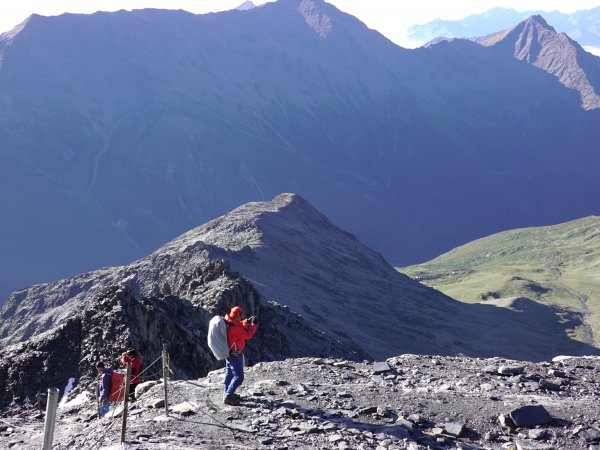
[
  {"x": 117, "y": 387},
  {"x": 217, "y": 337}
]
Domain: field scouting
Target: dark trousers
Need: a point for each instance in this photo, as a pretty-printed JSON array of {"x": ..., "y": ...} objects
[
  {"x": 132, "y": 387},
  {"x": 234, "y": 374}
]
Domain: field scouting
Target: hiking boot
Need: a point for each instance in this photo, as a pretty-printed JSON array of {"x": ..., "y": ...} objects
[
  {"x": 231, "y": 400},
  {"x": 234, "y": 395}
]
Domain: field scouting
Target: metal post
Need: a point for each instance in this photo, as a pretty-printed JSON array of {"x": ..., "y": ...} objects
[
  {"x": 51, "y": 404},
  {"x": 165, "y": 375},
  {"x": 125, "y": 402}
]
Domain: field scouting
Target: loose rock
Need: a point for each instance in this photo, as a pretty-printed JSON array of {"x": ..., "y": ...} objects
[{"x": 530, "y": 415}]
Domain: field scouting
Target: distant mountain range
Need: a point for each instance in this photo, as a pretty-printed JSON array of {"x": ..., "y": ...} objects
[
  {"x": 556, "y": 265},
  {"x": 121, "y": 130},
  {"x": 582, "y": 26},
  {"x": 316, "y": 290}
]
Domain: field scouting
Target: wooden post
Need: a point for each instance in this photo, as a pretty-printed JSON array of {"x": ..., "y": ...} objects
[
  {"x": 98, "y": 400},
  {"x": 125, "y": 402},
  {"x": 165, "y": 376}
]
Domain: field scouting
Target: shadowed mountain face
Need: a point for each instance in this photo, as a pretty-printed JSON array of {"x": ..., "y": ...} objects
[
  {"x": 316, "y": 290},
  {"x": 119, "y": 131}
]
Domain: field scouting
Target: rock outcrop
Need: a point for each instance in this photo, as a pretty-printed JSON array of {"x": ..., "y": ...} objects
[{"x": 53, "y": 332}]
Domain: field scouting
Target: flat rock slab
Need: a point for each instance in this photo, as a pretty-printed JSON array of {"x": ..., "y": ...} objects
[
  {"x": 398, "y": 431},
  {"x": 335, "y": 438},
  {"x": 367, "y": 410},
  {"x": 511, "y": 370},
  {"x": 185, "y": 408},
  {"x": 115, "y": 411},
  {"x": 163, "y": 418},
  {"x": 527, "y": 445},
  {"x": 537, "y": 434},
  {"x": 157, "y": 403},
  {"x": 135, "y": 411},
  {"x": 406, "y": 424},
  {"x": 557, "y": 373},
  {"x": 381, "y": 367},
  {"x": 454, "y": 428},
  {"x": 530, "y": 415}
]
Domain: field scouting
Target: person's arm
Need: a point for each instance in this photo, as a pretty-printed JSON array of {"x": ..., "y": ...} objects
[
  {"x": 124, "y": 359},
  {"x": 248, "y": 331}
]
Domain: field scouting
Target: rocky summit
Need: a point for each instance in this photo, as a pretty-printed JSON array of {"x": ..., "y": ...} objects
[
  {"x": 406, "y": 402},
  {"x": 316, "y": 290},
  {"x": 537, "y": 43}
]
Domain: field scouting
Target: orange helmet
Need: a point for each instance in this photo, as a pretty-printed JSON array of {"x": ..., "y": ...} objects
[{"x": 235, "y": 312}]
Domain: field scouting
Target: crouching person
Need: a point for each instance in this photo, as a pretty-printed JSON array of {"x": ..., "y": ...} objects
[{"x": 238, "y": 331}]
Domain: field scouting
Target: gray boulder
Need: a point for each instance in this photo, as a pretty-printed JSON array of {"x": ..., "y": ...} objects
[{"x": 530, "y": 415}]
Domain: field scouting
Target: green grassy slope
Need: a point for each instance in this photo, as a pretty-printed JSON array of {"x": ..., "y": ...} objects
[{"x": 556, "y": 265}]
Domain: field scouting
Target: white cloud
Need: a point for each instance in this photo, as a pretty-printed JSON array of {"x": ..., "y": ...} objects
[{"x": 592, "y": 50}]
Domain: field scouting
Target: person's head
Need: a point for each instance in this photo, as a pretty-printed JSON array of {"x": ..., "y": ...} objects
[
  {"x": 236, "y": 313},
  {"x": 100, "y": 366},
  {"x": 131, "y": 351}
]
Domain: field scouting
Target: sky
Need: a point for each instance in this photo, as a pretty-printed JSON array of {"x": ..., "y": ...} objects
[{"x": 389, "y": 17}]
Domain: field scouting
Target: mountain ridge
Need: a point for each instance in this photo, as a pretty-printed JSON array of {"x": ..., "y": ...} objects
[
  {"x": 293, "y": 256},
  {"x": 174, "y": 119},
  {"x": 579, "y": 25},
  {"x": 538, "y": 43}
]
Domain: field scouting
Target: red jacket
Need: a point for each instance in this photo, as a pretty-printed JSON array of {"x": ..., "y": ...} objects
[
  {"x": 136, "y": 366},
  {"x": 238, "y": 332}
]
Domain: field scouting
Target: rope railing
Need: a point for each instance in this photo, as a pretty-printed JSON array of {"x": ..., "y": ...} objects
[{"x": 175, "y": 392}]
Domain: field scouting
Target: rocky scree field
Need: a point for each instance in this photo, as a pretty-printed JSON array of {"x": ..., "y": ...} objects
[{"x": 407, "y": 402}]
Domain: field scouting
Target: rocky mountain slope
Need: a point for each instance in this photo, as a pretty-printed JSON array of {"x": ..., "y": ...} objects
[
  {"x": 555, "y": 265},
  {"x": 581, "y": 26},
  {"x": 316, "y": 290},
  {"x": 53, "y": 332},
  {"x": 123, "y": 130},
  {"x": 538, "y": 44},
  {"x": 409, "y": 402}
]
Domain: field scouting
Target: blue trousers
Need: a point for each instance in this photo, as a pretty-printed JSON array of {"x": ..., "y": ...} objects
[
  {"x": 234, "y": 374},
  {"x": 104, "y": 407}
]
